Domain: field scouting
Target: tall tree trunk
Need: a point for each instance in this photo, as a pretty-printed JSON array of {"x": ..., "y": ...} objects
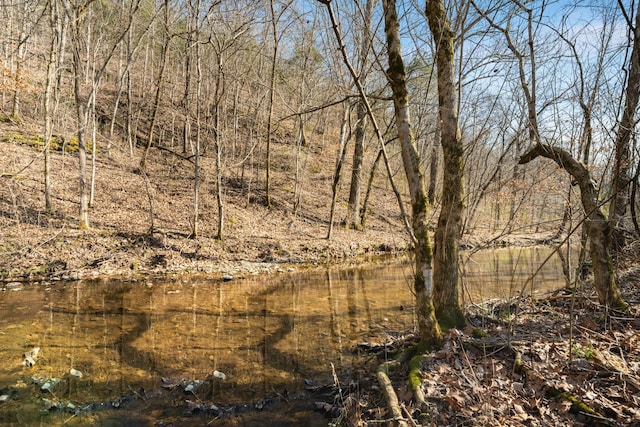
[
  {"x": 48, "y": 106},
  {"x": 447, "y": 236},
  {"x": 423, "y": 282},
  {"x": 219, "y": 90},
  {"x": 353, "y": 207},
  {"x": 75, "y": 18},
  {"x": 343, "y": 143},
  {"x": 186, "y": 104},
  {"x": 82, "y": 148},
  {"x": 620, "y": 185},
  {"x": 430, "y": 333},
  {"x": 195, "y": 49},
  {"x": 595, "y": 223},
  {"x": 272, "y": 88},
  {"x": 353, "y": 219},
  {"x": 129, "y": 89},
  {"x": 159, "y": 84},
  {"x": 94, "y": 148}
]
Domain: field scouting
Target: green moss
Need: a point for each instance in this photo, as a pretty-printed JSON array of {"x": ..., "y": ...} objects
[
  {"x": 478, "y": 333},
  {"x": 388, "y": 367},
  {"x": 577, "y": 405},
  {"x": 23, "y": 138},
  {"x": 452, "y": 319},
  {"x": 415, "y": 371},
  {"x": 35, "y": 140}
]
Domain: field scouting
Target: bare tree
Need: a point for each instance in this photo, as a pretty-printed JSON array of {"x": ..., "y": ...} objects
[
  {"x": 344, "y": 139},
  {"x": 164, "y": 52},
  {"x": 48, "y": 101},
  {"x": 353, "y": 219},
  {"x": 423, "y": 284},
  {"x": 620, "y": 186},
  {"x": 428, "y": 327},
  {"x": 595, "y": 222},
  {"x": 448, "y": 232},
  {"x": 24, "y": 32},
  {"x": 275, "y": 19},
  {"x": 76, "y": 14}
]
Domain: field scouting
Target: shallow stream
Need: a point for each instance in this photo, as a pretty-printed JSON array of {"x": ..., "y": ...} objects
[{"x": 207, "y": 352}]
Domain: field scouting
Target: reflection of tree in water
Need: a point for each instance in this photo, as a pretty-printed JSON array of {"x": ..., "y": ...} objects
[
  {"x": 265, "y": 336},
  {"x": 297, "y": 324},
  {"x": 132, "y": 325}
]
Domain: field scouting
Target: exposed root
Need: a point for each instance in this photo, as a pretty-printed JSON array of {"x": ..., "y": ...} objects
[{"x": 389, "y": 393}]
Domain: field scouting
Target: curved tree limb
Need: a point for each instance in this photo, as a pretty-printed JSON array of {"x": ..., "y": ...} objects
[{"x": 596, "y": 222}]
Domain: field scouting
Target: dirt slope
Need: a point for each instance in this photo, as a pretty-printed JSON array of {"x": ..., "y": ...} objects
[{"x": 36, "y": 246}]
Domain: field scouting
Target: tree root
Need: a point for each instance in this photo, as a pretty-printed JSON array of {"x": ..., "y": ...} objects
[
  {"x": 415, "y": 379},
  {"x": 389, "y": 392},
  {"x": 415, "y": 382}
]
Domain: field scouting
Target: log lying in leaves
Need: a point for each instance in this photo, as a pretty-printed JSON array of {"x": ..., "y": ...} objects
[{"x": 389, "y": 392}]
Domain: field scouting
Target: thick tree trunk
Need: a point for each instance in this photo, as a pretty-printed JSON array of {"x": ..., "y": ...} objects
[
  {"x": 423, "y": 283},
  {"x": 353, "y": 207},
  {"x": 596, "y": 222},
  {"x": 447, "y": 237}
]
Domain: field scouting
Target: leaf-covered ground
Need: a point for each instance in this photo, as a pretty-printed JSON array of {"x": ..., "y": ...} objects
[{"x": 563, "y": 360}]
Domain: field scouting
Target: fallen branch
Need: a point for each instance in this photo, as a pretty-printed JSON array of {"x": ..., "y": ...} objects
[{"x": 389, "y": 392}]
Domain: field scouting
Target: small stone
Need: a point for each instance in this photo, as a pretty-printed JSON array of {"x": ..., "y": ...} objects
[
  {"x": 50, "y": 384},
  {"x": 227, "y": 278},
  {"x": 29, "y": 358},
  {"x": 75, "y": 373}
]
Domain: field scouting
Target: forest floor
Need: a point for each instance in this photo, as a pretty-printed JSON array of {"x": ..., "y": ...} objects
[{"x": 561, "y": 360}]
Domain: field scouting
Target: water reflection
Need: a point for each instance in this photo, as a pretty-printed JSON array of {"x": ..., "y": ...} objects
[
  {"x": 266, "y": 334},
  {"x": 504, "y": 273}
]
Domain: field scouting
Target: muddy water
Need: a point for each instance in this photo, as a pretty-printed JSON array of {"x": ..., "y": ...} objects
[{"x": 139, "y": 345}]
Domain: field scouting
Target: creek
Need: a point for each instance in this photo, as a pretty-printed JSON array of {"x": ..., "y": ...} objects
[{"x": 194, "y": 351}]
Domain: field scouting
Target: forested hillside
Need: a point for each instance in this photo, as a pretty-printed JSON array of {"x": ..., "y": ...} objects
[{"x": 202, "y": 119}]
